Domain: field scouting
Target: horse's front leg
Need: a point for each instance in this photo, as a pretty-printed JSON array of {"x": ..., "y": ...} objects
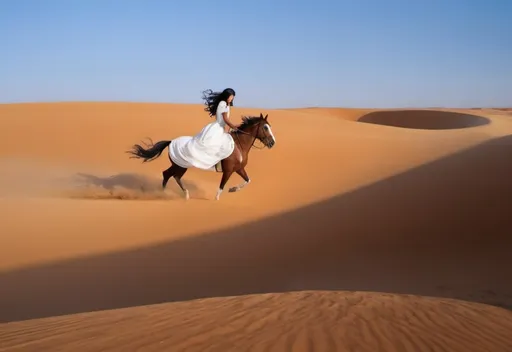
[
  {"x": 246, "y": 178},
  {"x": 226, "y": 174}
]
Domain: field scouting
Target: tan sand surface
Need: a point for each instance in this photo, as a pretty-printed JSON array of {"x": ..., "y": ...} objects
[
  {"x": 386, "y": 201},
  {"x": 297, "y": 321}
]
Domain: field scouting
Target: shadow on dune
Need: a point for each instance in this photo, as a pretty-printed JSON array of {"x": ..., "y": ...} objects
[
  {"x": 442, "y": 229},
  {"x": 125, "y": 186},
  {"x": 424, "y": 119},
  {"x": 126, "y": 180}
]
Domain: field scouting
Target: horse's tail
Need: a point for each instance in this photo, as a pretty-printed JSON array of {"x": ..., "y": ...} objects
[{"x": 151, "y": 152}]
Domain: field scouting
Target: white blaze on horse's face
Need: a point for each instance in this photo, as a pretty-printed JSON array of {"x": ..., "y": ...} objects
[{"x": 268, "y": 130}]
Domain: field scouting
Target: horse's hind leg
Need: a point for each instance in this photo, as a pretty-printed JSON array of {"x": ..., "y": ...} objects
[
  {"x": 167, "y": 174},
  {"x": 177, "y": 176}
]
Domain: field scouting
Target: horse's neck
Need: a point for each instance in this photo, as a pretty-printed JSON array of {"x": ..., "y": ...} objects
[{"x": 245, "y": 140}]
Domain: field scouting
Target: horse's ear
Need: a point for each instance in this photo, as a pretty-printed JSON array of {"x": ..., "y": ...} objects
[
  {"x": 266, "y": 117},
  {"x": 261, "y": 115}
]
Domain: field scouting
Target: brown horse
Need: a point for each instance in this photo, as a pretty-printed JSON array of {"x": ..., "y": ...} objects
[{"x": 251, "y": 128}]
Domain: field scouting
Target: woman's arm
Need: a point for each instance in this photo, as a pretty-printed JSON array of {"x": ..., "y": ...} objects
[
  {"x": 223, "y": 109},
  {"x": 227, "y": 121}
]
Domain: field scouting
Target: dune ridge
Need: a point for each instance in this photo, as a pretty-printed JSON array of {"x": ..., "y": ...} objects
[
  {"x": 296, "y": 321},
  {"x": 89, "y": 242}
]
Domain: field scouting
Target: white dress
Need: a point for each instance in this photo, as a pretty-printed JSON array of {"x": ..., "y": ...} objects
[{"x": 207, "y": 148}]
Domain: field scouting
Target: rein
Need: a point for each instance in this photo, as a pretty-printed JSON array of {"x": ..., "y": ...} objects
[{"x": 249, "y": 134}]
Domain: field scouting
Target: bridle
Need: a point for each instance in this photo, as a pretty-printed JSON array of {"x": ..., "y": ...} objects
[{"x": 249, "y": 134}]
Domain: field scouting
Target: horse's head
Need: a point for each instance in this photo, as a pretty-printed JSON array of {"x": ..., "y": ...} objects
[{"x": 259, "y": 127}]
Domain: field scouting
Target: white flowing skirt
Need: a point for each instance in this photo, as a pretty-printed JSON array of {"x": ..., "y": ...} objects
[{"x": 204, "y": 150}]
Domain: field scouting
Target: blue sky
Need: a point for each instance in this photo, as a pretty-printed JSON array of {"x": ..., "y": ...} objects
[{"x": 275, "y": 54}]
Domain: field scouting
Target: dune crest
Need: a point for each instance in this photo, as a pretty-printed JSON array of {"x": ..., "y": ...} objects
[{"x": 297, "y": 321}]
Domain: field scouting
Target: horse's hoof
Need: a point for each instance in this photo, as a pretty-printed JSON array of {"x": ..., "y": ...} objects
[
  {"x": 233, "y": 189},
  {"x": 187, "y": 195}
]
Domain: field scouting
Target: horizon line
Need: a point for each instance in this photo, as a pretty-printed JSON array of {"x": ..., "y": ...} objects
[{"x": 155, "y": 102}]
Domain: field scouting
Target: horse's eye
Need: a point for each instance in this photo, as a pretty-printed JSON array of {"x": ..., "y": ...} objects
[{"x": 265, "y": 127}]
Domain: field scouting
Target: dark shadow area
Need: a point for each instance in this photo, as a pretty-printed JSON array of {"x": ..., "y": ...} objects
[
  {"x": 424, "y": 119},
  {"x": 442, "y": 229},
  {"x": 126, "y": 186},
  {"x": 126, "y": 180}
]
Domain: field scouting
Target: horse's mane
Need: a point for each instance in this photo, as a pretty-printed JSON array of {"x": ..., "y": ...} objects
[{"x": 248, "y": 121}]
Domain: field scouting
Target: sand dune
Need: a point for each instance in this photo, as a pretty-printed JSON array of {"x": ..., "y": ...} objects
[
  {"x": 299, "y": 321},
  {"x": 337, "y": 205}
]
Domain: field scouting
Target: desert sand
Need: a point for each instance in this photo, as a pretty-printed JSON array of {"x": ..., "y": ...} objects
[{"x": 362, "y": 230}]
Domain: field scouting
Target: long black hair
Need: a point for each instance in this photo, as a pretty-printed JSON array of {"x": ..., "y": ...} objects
[{"x": 212, "y": 99}]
